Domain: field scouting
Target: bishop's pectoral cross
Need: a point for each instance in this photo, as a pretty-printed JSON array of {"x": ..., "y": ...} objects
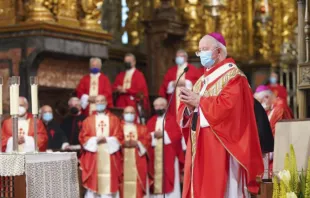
[
  {"x": 21, "y": 132},
  {"x": 131, "y": 136},
  {"x": 101, "y": 125}
]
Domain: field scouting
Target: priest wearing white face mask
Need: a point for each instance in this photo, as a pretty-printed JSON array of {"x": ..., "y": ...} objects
[
  {"x": 170, "y": 78},
  {"x": 224, "y": 158},
  {"x": 56, "y": 136},
  {"x": 101, "y": 138},
  {"x": 25, "y": 131},
  {"x": 135, "y": 146}
]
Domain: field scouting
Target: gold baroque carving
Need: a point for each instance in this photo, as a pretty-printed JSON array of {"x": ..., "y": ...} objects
[
  {"x": 304, "y": 76},
  {"x": 7, "y": 12}
]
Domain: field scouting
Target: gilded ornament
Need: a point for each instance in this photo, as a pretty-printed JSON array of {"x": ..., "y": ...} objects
[
  {"x": 67, "y": 12},
  {"x": 92, "y": 14},
  {"x": 7, "y": 12},
  {"x": 38, "y": 10}
]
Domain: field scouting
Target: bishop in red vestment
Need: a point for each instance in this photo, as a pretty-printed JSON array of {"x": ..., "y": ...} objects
[
  {"x": 277, "y": 89},
  {"x": 101, "y": 138},
  {"x": 223, "y": 157},
  {"x": 170, "y": 78},
  {"x": 92, "y": 85},
  {"x": 25, "y": 131},
  {"x": 134, "y": 152},
  {"x": 130, "y": 85},
  {"x": 164, "y": 172}
]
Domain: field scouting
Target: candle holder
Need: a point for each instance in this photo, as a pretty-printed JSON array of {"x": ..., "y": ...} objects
[
  {"x": 34, "y": 109},
  {"x": 14, "y": 104},
  {"x": 1, "y": 112}
]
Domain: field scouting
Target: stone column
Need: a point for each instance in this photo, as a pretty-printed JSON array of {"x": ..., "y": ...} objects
[{"x": 164, "y": 34}]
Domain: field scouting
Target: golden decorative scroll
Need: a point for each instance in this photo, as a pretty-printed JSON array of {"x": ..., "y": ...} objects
[
  {"x": 67, "y": 12},
  {"x": 158, "y": 162},
  {"x": 8, "y": 14},
  {"x": 130, "y": 168},
  {"x": 92, "y": 12},
  {"x": 133, "y": 26},
  {"x": 103, "y": 156},
  {"x": 36, "y": 11},
  {"x": 93, "y": 91}
]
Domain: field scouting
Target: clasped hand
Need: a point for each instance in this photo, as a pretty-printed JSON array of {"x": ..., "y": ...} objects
[
  {"x": 130, "y": 144},
  {"x": 120, "y": 89},
  {"x": 189, "y": 98},
  {"x": 101, "y": 140},
  {"x": 158, "y": 134}
]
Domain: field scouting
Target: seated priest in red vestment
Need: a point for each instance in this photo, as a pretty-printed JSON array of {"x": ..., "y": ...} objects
[
  {"x": 164, "y": 171},
  {"x": 223, "y": 157},
  {"x": 92, "y": 85},
  {"x": 56, "y": 136},
  {"x": 170, "y": 78},
  {"x": 25, "y": 131},
  {"x": 130, "y": 84},
  {"x": 101, "y": 138},
  {"x": 134, "y": 150},
  {"x": 277, "y": 89}
]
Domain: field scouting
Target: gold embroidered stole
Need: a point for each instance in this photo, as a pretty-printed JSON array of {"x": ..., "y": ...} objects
[
  {"x": 130, "y": 167},
  {"x": 127, "y": 79},
  {"x": 213, "y": 90},
  {"x": 93, "y": 91},
  {"x": 158, "y": 162},
  {"x": 23, "y": 128},
  {"x": 103, "y": 157}
]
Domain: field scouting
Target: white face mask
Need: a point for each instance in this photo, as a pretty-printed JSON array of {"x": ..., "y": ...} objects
[
  {"x": 129, "y": 117},
  {"x": 21, "y": 110}
]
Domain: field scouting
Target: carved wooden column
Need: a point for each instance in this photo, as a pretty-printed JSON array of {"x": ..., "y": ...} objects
[
  {"x": 164, "y": 34},
  {"x": 301, "y": 69}
]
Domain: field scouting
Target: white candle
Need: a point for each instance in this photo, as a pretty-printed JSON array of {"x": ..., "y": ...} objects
[
  {"x": 14, "y": 99},
  {"x": 266, "y": 6},
  {"x": 1, "y": 111},
  {"x": 34, "y": 99}
]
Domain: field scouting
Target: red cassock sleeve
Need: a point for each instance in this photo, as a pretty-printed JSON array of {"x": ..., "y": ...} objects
[
  {"x": 231, "y": 118},
  {"x": 116, "y": 130},
  {"x": 139, "y": 85},
  {"x": 83, "y": 86},
  {"x": 86, "y": 130},
  {"x": 42, "y": 136},
  {"x": 143, "y": 136},
  {"x": 118, "y": 80},
  {"x": 6, "y": 133}
]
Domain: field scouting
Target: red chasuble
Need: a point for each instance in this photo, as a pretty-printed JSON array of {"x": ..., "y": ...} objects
[
  {"x": 280, "y": 111},
  {"x": 226, "y": 132},
  {"x": 88, "y": 160},
  {"x": 192, "y": 75},
  {"x": 104, "y": 88},
  {"x": 140, "y": 168},
  {"x": 42, "y": 134},
  {"x": 279, "y": 91},
  {"x": 171, "y": 151},
  {"x": 136, "y": 84}
]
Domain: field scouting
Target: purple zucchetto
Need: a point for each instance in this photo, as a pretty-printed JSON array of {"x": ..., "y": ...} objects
[
  {"x": 261, "y": 88},
  {"x": 219, "y": 37}
]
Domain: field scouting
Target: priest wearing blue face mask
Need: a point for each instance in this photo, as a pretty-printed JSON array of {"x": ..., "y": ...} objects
[
  {"x": 56, "y": 136},
  {"x": 101, "y": 138},
  {"x": 224, "y": 143},
  {"x": 92, "y": 85},
  {"x": 277, "y": 89},
  {"x": 134, "y": 150},
  {"x": 170, "y": 78}
]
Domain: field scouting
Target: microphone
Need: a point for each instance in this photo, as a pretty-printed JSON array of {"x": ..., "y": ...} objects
[{"x": 163, "y": 126}]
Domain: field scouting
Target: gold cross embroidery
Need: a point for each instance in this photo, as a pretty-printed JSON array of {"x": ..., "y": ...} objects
[
  {"x": 21, "y": 132},
  {"x": 131, "y": 136}
]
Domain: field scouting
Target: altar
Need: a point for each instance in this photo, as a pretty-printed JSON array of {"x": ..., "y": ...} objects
[{"x": 34, "y": 175}]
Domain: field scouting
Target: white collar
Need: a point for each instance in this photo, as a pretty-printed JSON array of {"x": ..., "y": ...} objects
[
  {"x": 182, "y": 66},
  {"x": 131, "y": 70},
  {"x": 95, "y": 75}
]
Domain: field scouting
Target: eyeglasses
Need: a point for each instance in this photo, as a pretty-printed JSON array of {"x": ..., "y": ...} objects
[{"x": 198, "y": 53}]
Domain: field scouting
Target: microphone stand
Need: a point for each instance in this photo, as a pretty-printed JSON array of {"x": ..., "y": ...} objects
[{"x": 163, "y": 126}]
